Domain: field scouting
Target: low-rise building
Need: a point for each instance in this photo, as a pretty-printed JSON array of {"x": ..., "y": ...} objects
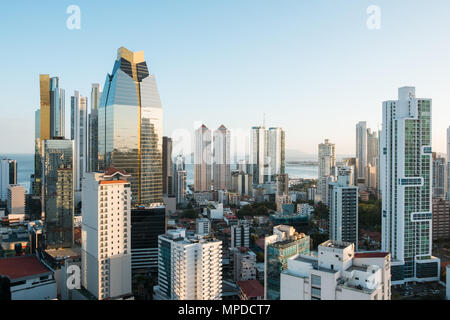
[
  {"x": 337, "y": 273},
  {"x": 244, "y": 264},
  {"x": 250, "y": 290},
  {"x": 30, "y": 280}
]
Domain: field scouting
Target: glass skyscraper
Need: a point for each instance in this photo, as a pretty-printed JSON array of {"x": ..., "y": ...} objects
[
  {"x": 130, "y": 126},
  {"x": 93, "y": 128},
  {"x": 58, "y": 192}
]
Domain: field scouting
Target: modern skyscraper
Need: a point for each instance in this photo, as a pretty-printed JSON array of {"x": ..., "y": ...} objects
[
  {"x": 258, "y": 154},
  {"x": 371, "y": 179},
  {"x": 146, "y": 225},
  {"x": 447, "y": 191},
  {"x": 279, "y": 247},
  {"x": 202, "y": 159},
  {"x": 8, "y": 175},
  {"x": 93, "y": 128},
  {"x": 406, "y": 173},
  {"x": 58, "y": 192},
  {"x": 241, "y": 183},
  {"x": 221, "y": 165},
  {"x": 167, "y": 167},
  {"x": 276, "y": 152},
  {"x": 130, "y": 126},
  {"x": 180, "y": 176},
  {"x": 343, "y": 207},
  {"x": 16, "y": 199},
  {"x": 190, "y": 267},
  {"x": 78, "y": 131},
  {"x": 240, "y": 235},
  {"x": 327, "y": 164},
  {"x": 105, "y": 251},
  {"x": 361, "y": 151},
  {"x": 439, "y": 176}
]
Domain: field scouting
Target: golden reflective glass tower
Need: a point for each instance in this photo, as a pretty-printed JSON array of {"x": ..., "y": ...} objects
[{"x": 130, "y": 126}]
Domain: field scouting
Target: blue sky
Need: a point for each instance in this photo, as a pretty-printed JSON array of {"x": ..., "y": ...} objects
[{"x": 313, "y": 67}]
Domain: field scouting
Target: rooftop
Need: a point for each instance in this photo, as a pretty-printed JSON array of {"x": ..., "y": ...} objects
[
  {"x": 371, "y": 254},
  {"x": 21, "y": 267},
  {"x": 251, "y": 288}
]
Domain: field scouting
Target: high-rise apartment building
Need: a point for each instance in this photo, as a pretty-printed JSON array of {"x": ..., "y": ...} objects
[
  {"x": 278, "y": 248},
  {"x": 130, "y": 126},
  {"x": 327, "y": 165},
  {"x": 258, "y": 154},
  {"x": 202, "y": 159},
  {"x": 106, "y": 231},
  {"x": 203, "y": 226},
  {"x": 441, "y": 219},
  {"x": 58, "y": 192},
  {"x": 372, "y": 161},
  {"x": 439, "y": 176},
  {"x": 221, "y": 164},
  {"x": 8, "y": 175},
  {"x": 241, "y": 183},
  {"x": 93, "y": 128},
  {"x": 406, "y": 184},
  {"x": 447, "y": 191},
  {"x": 16, "y": 199},
  {"x": 276, "y": 153},
  {"x": 361, "y": 151},
  {"x": 343, "y": 208},
  {"x": 190, "y": 267},
  {"x": 244, "y": 264},
  {"x": 167, "y": 167},
  {"x": 180, "y": 176},
  {"x": 78, "y": 130}
]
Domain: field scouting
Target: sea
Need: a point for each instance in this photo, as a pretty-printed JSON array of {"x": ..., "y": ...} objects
[{"x": 25, "y": 167}]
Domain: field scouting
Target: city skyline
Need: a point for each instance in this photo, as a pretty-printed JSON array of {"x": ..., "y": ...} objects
[{"x": 264, "y": 66}]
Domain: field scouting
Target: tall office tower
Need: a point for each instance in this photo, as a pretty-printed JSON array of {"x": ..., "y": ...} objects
[
  {"x": 243, "y": 166},
  {"x": 448, "y": 165},
  {"x": 78, "y": 131},
  {"x": 105, "y": 255},
  {"x": 58, "y": 192},
  {"x": 8, "y": 175},
  {"x": 439, "y": 176},
  {"x": 221, "y": 165},
  {"x": 259, "y": 154},
  {"x": 240, "y": 235},
  {"x": 406, "y": 172},
  {"x": 343, "y": 207},
  {"x": 146, "y": 225},
  {"x": 276, "y": 152},
  {"x": 361, "y": 151},
  {"x": 167, "y": 167},
  {"x": 278, "y": 248},
  {"x": 202, "y": 159},
  {"x": 327, "y": 164},
  {"x": 49, "y": 122},
  {"x": 52, "y": 114},
  {"x": 93, "y": 128},
  {"x": 130, "y": 126},
  {"x": 190, "y": 267},
  {"x": 241, "y": 183}
]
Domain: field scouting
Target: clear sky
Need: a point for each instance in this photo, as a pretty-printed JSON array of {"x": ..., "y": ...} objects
[{"x": 313, "y": 67}]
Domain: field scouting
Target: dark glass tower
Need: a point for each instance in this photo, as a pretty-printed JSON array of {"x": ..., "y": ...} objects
[{"x": 130, "y": 126}]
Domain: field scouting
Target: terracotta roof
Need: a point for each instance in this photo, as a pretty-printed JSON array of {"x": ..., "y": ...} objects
[
  {"x": 110, "y": 171},
  {"x": 251, "y": 288},
  {"x": 112, "y": 181},
  {"x": 371, "y": 254},
  {"x": 20, "y": 267}
]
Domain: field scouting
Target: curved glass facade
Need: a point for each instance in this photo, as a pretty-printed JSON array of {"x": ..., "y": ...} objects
[{"x": 130, "y": 127}]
